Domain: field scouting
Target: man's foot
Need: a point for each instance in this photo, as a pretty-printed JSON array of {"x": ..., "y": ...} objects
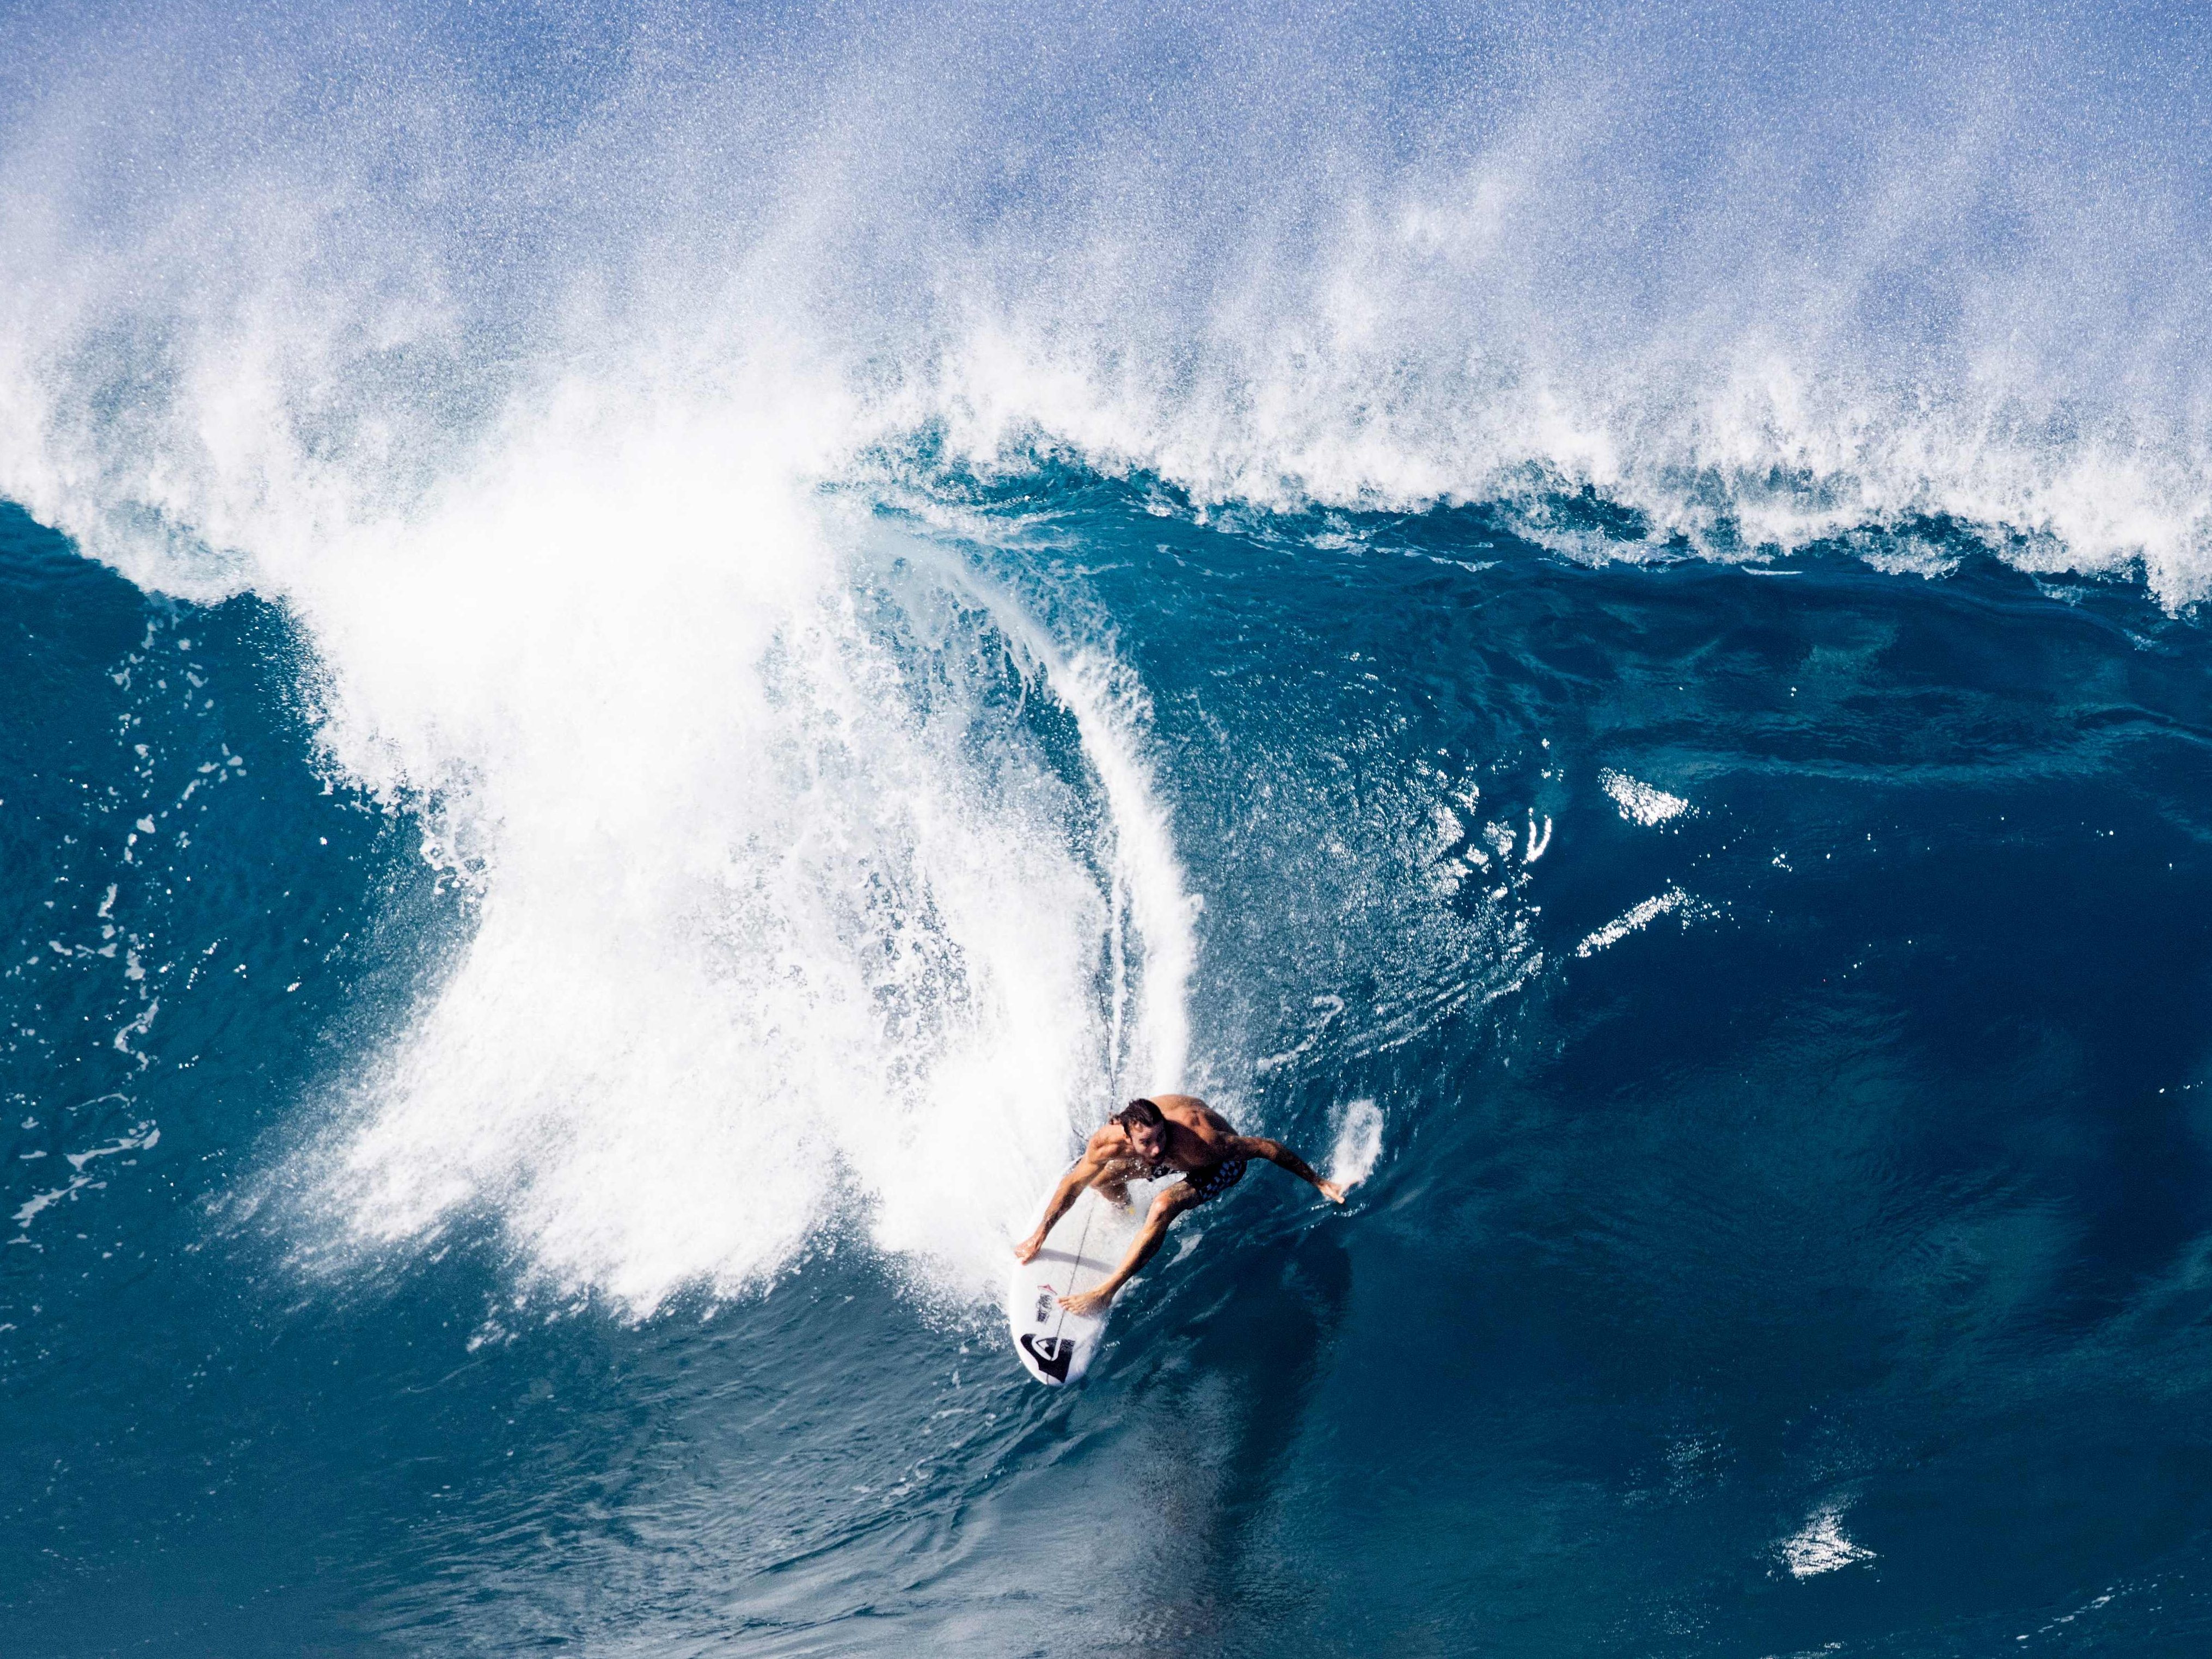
[{"x": 1089, "y": 1302}]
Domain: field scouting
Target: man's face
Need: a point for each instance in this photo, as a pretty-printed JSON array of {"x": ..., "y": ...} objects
[{"x": 1148, "y": 1140}]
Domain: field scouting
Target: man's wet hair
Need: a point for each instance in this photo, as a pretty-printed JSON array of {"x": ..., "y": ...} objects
[{"x": 1139, "y": 1111}]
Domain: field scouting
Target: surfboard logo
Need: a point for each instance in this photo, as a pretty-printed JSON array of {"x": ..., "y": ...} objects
[{"x": 1051, "y": 1354}]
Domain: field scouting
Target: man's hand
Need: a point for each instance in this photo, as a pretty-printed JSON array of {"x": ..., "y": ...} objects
[
  {"x": 1284, "y": 1158},
  {"x": 1087, "y": 1169},
  {"x": 1089, "y": 1302}
]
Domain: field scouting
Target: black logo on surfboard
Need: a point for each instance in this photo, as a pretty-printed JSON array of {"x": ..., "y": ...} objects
[{"x": 1052, "y": 1354}]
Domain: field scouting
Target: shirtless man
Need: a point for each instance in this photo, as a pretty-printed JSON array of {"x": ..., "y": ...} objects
[{"x": 1147, "y": 1140}]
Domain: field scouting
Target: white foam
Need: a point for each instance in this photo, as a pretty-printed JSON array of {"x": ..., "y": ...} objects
[
  {"x": 1632, "y": 920},
  {"x": 143, "y": 1136},
  {"x": 777, "y": 921},
  {"x": 783, "y": 924},
  {"x": 38, "y": 1201},
  {"x": 1819, "y": 1545},
  {"x": 1641, "y": 802}
]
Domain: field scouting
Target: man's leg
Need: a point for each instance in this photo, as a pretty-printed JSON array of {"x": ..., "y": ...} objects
[
  {"x": 1165, "y": 1208},
  {"x": 1113, "y": 1186}
]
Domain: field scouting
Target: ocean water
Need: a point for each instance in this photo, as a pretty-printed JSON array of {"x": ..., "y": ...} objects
[{"x": 651, "y": 653}]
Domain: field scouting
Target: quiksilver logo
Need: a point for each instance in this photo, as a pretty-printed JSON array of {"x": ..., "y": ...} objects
[{"x": 1051, "y": 1354}]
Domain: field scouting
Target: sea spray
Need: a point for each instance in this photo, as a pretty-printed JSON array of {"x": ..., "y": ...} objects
[
  {"x": 1649, "y": 297},
  {"x": 784, "y": 903},
  {"x": 1358, "y": 1143}
]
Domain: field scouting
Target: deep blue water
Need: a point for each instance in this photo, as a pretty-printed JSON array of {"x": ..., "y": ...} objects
[{"x": 1860, "y": 1198}]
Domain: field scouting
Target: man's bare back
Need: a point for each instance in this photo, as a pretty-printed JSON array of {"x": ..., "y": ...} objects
[{"x": 1150, "y": 1139}]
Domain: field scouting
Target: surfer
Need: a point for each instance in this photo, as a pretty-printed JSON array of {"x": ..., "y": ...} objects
[{"x": 1150, "y": 1140}]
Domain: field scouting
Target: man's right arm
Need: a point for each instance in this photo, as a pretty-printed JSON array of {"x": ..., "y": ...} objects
[
  {"x": 1284, "y": 1158},
  {"x": 1088, "y": 1167}
]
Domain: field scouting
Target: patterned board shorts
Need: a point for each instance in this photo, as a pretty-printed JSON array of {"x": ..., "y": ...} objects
[
  {"x": 1208, "y": 1183},
  {"x": 1212, "y": 1183}
]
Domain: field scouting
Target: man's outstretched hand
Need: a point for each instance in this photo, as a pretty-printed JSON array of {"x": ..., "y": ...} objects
[
  {"x": 1027, "y": 1250},
  {"x": 1329, "y": 1191}
]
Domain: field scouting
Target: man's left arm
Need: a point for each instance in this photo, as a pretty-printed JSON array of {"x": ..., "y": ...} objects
[{"x": 1284, "y": 1158}]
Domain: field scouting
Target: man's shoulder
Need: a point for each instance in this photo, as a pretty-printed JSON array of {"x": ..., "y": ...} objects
[{"x": 1195, "y": 1114}]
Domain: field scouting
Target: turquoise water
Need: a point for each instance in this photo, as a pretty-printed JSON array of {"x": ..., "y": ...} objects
[{"x": 649, "y": 657}]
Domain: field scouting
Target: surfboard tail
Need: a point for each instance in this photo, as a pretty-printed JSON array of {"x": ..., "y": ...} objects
[{"x": 1051, "y": 1354}]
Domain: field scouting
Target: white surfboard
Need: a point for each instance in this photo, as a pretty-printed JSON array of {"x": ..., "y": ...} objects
[{"x": 1087, "y": 1243}]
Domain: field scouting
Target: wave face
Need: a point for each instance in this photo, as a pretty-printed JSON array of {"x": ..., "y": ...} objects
[{"x": 654, "y": 653}]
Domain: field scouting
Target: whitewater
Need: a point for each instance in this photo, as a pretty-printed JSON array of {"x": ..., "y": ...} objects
[{"x": 657, "y": 651}]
